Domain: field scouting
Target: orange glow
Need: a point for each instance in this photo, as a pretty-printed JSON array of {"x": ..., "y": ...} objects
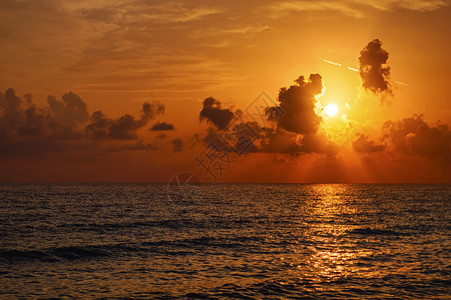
[{"x": 115, "y": 58}]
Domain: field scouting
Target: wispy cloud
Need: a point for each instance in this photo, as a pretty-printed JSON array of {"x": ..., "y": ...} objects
[
  {"x": 358, "y": 8},
  {"x": 138, "y": 12}
]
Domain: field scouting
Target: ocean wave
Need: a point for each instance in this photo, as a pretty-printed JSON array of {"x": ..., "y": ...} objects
[
  {"x": 161, "y": 247},
  {"x": 371, "y": 231},
  {"x": 53, "y": 254}
]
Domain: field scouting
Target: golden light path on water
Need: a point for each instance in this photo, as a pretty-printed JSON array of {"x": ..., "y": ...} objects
[
  {"x": 331, "y": 260},
  {"x": 331, "y": 256}
]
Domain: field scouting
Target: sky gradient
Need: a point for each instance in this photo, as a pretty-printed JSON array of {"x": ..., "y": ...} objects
[{"x": 139, "y": 91}]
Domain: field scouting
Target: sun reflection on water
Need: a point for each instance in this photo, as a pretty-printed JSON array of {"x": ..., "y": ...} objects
[{"x": 333, "y": 256}]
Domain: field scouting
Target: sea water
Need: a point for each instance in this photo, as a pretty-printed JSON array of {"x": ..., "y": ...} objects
[{"x": 225, "y": 241}]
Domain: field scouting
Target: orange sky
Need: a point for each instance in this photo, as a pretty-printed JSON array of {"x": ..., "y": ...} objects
[{"x": 114, "y": 56}]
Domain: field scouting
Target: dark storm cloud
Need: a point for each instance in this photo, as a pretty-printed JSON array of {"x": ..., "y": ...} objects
[
  {"x": 414, "y": 136},
  {"x": 212, "y": 111},
  {"x": 295, "y": 112},
  {"x": 65, "y": 125},
  {"x": 162, "y": 126},
  {"x": 374, "y": 71},
  {"x": 177, "y": 145},
  {"x": 363, "y": 145}
]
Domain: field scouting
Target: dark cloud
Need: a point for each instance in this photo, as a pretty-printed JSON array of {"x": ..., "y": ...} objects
[
  {"x": 414, "y": 136},
  {"x": 35, "y": 123},
  {"x": 162, "y": 126},
  {"x": 122, "y": 128},
  {"x": 58, "y": 121},
  {"x": 177, "y": 145},
  {"x": 213, "y": 112},
  {"x": 240, "y": 138},
  {"x": 363, "y": 145},
  {"x": 246, "y": 135},
  {"x": 293, "y": 124},
  {"x": 125, "y": 128},
  {"x": 64, "y": 125},
  {"x": 297, "y": 123},
  {"x": 295, "y": 129},
  {"x": 281, "y": 141},
  {"x": 296, "y": 112},
  {"x": 374, "y": 71},
  {"x": 11, "y": 113},
  {"x": 317, "y": 143},
  {"x": 295, "y": 144},
  {"x": 71, "y": 109}
]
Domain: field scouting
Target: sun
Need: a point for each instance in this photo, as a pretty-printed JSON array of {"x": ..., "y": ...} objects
[{"x": 331, "y": 110}]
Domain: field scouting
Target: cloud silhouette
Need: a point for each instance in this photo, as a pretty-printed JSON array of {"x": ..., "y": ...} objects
[
  {"x": 177, "y": 145},
  {"x": 373, "y": 70},
  {"x": 295, "y": 129},
  {"x": 162, "y": 126},
  {"x": 58, "y": 121},
  {"x": 212, "y": 111},
  {"x": 64, "y": 125},
  {"x": 123, "y": 128},
  {"x": 296, "y": 113},
  {"x": 414, "y": 136},
  {"x": 281, "y": 141},
  {"x": 70, "y": 109},
  {"x": 296, "y": 121},
  {"x": 363, "y": 145}
]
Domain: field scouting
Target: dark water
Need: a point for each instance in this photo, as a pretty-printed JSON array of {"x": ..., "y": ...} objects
[{"x": 239, "y": 241}]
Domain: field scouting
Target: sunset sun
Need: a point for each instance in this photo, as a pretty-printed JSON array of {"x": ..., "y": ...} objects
[{"x": 331, "y": 110}]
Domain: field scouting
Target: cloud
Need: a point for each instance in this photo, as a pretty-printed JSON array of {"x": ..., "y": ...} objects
[
  {"x": 317, "y": 143},
  {"x": 374, "y": 71},
  {"x": 414, "y": 136},
  {"x": 212, "y": 111},
  {"x": 63, "y": 125},
  {"x": 162, "y": 126},
  {"x": 58, "y": 121},
  {"x": 177, "y": 145},
  {"x": 123, "y": 128},
  {"x": 296, "y": 111},
  {"x": 299, "y": 6},
  {"x": 295, "y": 124},
  {"x": 149, "y": 12},
  {"x": 281, "y": 141},
  {"x": 359, "y": 8},
  {"x": 247, "y": 133},
  {"x": 70, "y": 109},
  {"x": 11, "y": 112},
  {"x": 363, "y": 145}
]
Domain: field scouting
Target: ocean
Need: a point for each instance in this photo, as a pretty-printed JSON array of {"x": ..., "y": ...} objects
[{"x": 225, "y": 241}]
